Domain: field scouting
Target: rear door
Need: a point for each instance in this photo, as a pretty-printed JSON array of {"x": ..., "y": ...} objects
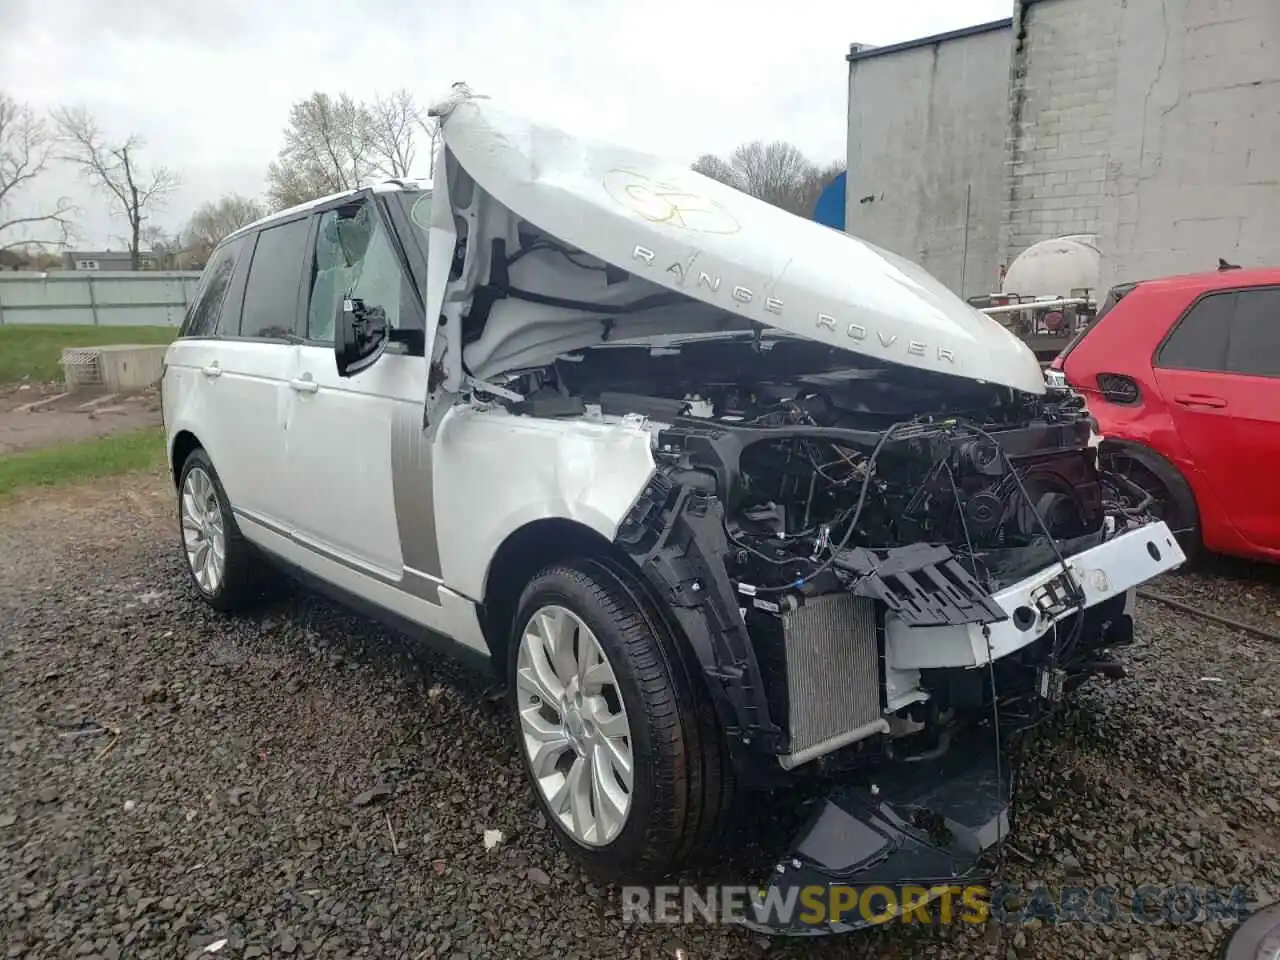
[
  {"x": 192, "y": 395},
  {"x": 1219, "y": 374},
  {"x": 254, "y": 359}
]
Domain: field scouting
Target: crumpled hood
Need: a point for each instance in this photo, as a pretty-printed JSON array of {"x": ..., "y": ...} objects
[{"x": 675, "y": 230}]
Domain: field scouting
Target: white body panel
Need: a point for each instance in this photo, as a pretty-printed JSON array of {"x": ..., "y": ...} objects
[
  {"x": 495, "y": 472},
  {"x": 232, "y": 395},
  {"x": 337, "y": 443},
  {"x": 326, "y": 460},
  {"x": 1103, "y": 572},
  {"x": 453, "y": 615}
]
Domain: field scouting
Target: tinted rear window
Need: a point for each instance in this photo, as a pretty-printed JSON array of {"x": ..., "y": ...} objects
[
  {"x": 271, "y": 292},
  {"x": 1114, "y": 296},
  {"x": 1199, "y": 341},
  {"x": 202, "y": 318}
]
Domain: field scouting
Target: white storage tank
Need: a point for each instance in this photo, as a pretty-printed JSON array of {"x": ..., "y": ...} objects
[{"x": 1055, "y": 268}]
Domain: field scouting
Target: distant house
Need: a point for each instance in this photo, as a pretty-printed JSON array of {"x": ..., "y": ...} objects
[
  {"x": 103, "y": 260},
  {"x": 12, "y": 260}
]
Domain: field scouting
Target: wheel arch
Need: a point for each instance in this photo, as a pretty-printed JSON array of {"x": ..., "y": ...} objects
[
  {"x": 526, "y": 550},
  {"x": 184, "y": 443},
  {"x": 1179, "y": 487}
]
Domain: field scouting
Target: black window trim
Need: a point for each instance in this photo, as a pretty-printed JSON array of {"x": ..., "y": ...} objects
[
  {"x": 381, "y": 210},
  {"x": 235, "y": 287},
  {"x": 234, "y": 297},
  {"x": 415, "y": 255},
  {"x": 1182, "y": 318},
  {"x": 235, "y": 292}
]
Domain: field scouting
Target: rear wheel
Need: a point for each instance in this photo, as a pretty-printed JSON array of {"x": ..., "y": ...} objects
[
  {"x": 224, "y": 567},
  {"x": 625, "y": 763}
]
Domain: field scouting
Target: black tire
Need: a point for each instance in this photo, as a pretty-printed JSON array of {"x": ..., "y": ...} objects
[
  {"x": 682, "y": 783},
  {"x": 245, "y": 573}
]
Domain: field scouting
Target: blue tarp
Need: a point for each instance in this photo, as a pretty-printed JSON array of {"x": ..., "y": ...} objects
[{"x": 829, "y": 210}]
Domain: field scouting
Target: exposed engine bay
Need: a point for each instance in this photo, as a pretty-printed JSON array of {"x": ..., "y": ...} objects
[{"x": 805, "y": 484}]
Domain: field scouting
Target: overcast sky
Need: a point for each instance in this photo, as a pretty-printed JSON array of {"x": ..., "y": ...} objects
[{"x": 209, "y": 84}]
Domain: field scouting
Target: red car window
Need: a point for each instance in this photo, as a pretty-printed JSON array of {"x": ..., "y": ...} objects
[{"x": 1199, "y": 341}]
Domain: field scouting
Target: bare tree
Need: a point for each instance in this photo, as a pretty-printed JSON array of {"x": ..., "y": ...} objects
[
  {"x": 709, "y": 165},
  {"x": 818, "y": 180},
  {"x": 777, "y": 173},
  {"x": 333, "y": 144},
  {"x": 115, "y": 168},
  {"x": 327, "y": 149},
  {"x": 167, "y": 250},
  {"x": 26, "y": 148},
  {"x": 431, "y": 127},
  {"x": 217, "y": 219},
  {"x": 394, "y": 122},
  {"x": 397, "y": 124}
]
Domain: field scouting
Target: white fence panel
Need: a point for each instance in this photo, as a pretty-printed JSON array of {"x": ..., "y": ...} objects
[{"x": 145, "y": 298}]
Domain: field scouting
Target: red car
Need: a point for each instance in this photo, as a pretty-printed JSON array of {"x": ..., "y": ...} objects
[{"x": 1183, "y": 377}]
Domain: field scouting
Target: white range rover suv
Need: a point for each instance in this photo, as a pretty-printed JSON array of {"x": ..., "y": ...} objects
[{"x": 729, "y": 499}]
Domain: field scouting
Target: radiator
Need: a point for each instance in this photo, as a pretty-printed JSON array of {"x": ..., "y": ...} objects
[{"x": 822, "y": 673}]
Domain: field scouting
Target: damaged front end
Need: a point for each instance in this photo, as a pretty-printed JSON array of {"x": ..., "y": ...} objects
[
  {"x": 881, "y": 606},
  {"x": 889, "y": 550}
]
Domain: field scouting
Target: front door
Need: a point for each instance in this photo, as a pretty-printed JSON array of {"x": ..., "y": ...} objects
[
  {"x": 359, "y": 466},
  {"x": 1219, "y": 374}
]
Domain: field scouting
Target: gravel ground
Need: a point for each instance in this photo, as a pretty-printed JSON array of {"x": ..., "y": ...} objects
[{"x": 301, "y": 783}]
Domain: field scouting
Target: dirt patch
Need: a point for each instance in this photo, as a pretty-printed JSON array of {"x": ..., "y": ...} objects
[{"x": 43, "y": 415}]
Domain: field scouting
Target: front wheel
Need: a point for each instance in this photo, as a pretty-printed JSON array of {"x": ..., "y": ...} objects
[{"x": 624, "y": 763}]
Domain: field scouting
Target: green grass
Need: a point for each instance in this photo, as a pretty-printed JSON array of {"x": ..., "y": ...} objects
[
  {"x": 32, "y": 351},
  {"x": 66, "y": 463}
]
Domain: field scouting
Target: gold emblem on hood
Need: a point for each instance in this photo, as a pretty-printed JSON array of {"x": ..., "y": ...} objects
[{"x": 669, "y": 204}]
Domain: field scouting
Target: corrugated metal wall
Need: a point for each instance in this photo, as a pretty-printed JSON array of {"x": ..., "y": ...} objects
[{"x": 146, "y": 298}]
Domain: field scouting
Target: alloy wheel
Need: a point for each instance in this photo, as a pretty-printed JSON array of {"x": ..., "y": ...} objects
[
  {"x": 574, "y": 725},
  {"x": 203, "y": 531}
]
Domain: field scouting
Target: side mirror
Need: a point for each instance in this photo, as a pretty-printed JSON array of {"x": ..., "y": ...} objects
[{"x": 360, "y": 336}]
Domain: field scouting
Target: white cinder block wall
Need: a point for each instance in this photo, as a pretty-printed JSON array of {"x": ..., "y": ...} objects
[
  {"x": 1193, "y": 161},
  {"x": 1061, "y": 95},
  {"x": 926, "y": 147},
  {"x": 1154, "y": 124}
]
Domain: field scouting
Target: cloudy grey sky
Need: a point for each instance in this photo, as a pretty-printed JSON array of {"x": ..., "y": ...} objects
[{"x": 209, "y": 84}]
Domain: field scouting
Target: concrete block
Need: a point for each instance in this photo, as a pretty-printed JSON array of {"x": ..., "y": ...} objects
[
  {"x": 130, "y": 367},
  {"x": 1262, "y": 166}
]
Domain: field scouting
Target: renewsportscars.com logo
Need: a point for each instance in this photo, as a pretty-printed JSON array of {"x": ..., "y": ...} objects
[{"x": 821, "y": 906}]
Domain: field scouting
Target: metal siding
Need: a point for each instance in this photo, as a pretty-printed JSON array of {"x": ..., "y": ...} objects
[{"x": 144, "y": 298}]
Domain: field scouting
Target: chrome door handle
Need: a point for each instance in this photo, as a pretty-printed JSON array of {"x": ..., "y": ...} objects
[
  {"x": 304, "y": 384},
  {"x": 212, "y": 371}
]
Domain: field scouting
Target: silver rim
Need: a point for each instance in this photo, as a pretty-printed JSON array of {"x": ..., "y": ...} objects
[
  {"x": 574, "y": 725},
  {"x": 203, "y": 533}
]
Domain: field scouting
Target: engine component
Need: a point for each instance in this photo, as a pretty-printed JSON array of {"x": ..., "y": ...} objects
[
  {"x": 924, "y": 586},
  {"x": 981, "y": 456},
  {"x": 983, "y": 513}
]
